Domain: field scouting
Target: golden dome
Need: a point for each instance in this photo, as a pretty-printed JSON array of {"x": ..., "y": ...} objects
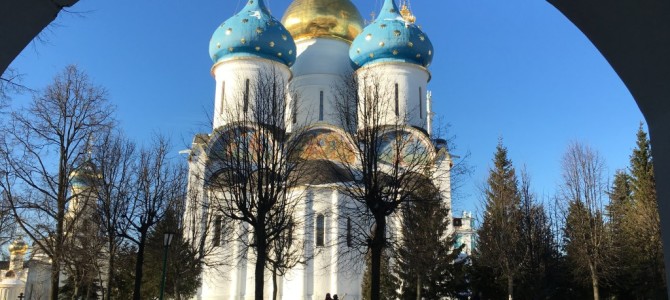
[
  {"x": 323, "y": 18},
  {"x": 18, "y": 246}
]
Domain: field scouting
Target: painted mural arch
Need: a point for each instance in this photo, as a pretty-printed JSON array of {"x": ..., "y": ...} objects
[
  {"x": 239, "y": 146},
  {"x": 327, "y": 143},
  {"x": 406, "y": 147}
]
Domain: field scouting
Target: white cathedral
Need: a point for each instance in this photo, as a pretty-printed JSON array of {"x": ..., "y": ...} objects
[{"x": 316, "y": 44}]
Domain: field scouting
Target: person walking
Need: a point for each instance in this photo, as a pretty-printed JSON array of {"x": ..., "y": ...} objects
[
  {"x": 328, "y": 296},
  {"x": 335, "y": 297}
]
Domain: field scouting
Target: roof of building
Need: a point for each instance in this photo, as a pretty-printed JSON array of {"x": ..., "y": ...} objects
[
  {"x": 339, "y": 19},
  {"x": 253, "y": 32},
  {"x": 317, "y": 172},
  {"x": 392, "y": 37}
]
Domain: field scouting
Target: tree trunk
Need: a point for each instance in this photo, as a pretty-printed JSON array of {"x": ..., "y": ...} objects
[
  {"x": 138, "y": 266},
  {"x": 594, "y": 282},
  {"x": 175, "y": 290},
  {"x": 55, "y": 277},
  {"x": 110, "y": 270},
  {"x": 377, "y": 248},
  {"x": 88, "y": 293},
  {"x": 76, "y": 289},
  {"x": 274, "y": 284},
  {"x": 418, "y": 287},
  {"x": 60, "y": 235},
  {"x": 261, "y": 257},
  {"x": 510, "y": 287}
]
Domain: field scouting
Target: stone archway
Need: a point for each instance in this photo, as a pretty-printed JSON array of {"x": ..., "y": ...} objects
[
  {"x": 21, "y": 21},
  {"x": 634, "y": 37}
]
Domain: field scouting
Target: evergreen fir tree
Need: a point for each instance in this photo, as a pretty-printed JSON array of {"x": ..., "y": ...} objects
[
  {"x": 622, "y": 228},
  {"x": 387, "y": 290},
  {"x": 426, "y": 257},
  {"x": 183, "y": 268},
  {"x": 579, "y": 247},
  {"x": 499, "y": 236},
  {"x": 649, "y": 247},
  {"x": 538, "y": 278}
]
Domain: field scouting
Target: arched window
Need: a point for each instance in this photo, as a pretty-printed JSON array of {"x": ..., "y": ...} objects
[
  {"x": 246, "y": 96},
  {"x": 321, "y": 106},
  {"x": 218, "y": 223},
  {"x": 223, "y": 96},
  {"x": 349, "y": 236},
  {"x": 420, "y": 103},
  {"x": 320, "y": 230},
  {"x": 397, "y": 101},
  {"x": 295, "y": 110}
]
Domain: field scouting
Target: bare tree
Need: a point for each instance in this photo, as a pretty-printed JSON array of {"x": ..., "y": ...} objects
[
  {"x": 205, "y": 231},
  {"x": 583, "y": 190},
  {"x": 43, "y": 146},
  {"x": 157, "y": 183},
  {"x": 538, "y": 245},
  {"x": 392, "y": 161},
  {"x": 82, "y": 266},
  {"x": 7, "y": 222},
  {"x": 114, "y": 158},
  {"x": 285, "y": 253},
  {"x": 10, "y": 82},
  {"x": 251, "y": 174}
]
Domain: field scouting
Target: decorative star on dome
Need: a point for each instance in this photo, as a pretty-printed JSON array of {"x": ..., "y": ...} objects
[{"x": 256, "y": 14}]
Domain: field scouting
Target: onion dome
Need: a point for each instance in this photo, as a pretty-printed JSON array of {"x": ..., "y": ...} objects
[
  {"x": 253, "y": 32},
  {"x": 338, "y": 19},
  {"x": 83, "y": 175},
  {"x": 18, "y": 246},
  {"x": 392, "y": 37}
]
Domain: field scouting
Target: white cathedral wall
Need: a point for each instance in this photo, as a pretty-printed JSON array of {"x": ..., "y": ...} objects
[
  {"x": 311, "y": 107},
  {"x": 322, "y": 56},
  {"x": 332, "y": 269},
  {"x": 325, "y": 273},
  {"x": 442, "y": 181},
  {"x": 231, "y": 76},
  {"x": 412, "y": 81},
  {"x": 320, "y": 67}
]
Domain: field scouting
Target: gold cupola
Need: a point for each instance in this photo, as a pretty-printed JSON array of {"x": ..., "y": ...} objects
[
  {"x": 18, "y": 247},
  {"x": 337, "y": 19}
]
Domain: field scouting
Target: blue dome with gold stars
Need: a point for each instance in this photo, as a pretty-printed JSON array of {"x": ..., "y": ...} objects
[
  {"x": 253, "y": 32},
  {"x": 392, "y": 37}
]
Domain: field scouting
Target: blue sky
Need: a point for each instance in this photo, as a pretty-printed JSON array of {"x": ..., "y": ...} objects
[{"x": 514, "y": 69}]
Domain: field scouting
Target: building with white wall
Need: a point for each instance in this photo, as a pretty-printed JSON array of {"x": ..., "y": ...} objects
[
  {"x": 464, "y": 229},
  {"x": 316, "y": 49}
]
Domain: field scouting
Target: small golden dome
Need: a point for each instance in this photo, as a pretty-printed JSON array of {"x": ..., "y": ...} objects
[
  {"x": 18, "y": 246},
  {"x": 323, "y": 18}
]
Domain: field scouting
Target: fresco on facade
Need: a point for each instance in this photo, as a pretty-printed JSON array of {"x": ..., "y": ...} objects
[
  {"x": 404, "y": 148},
  {"x": 239, "y": 142},
  {"x": 326, "y": 145}
]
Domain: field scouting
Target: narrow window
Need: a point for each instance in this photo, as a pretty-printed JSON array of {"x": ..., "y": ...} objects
[
  {"x": 295, "y": 110},
  {"x": 397, "y": 108},
  {"x": 216, "y": 239},
  {"x": 349, "y": 236},
  {"x": 321, "y": 106},
  {"x": 420, "y": 103},
  {"x": 320, "y": 230},
  {"x": 290, "y": 235},
  {"x": 246, "y": 96},
  {"x": 275, "y": 102},
  {"x": 223, "y": 96}
]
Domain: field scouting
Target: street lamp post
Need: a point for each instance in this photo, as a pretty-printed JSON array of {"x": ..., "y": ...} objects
[{"x": 167, "y": 239}]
